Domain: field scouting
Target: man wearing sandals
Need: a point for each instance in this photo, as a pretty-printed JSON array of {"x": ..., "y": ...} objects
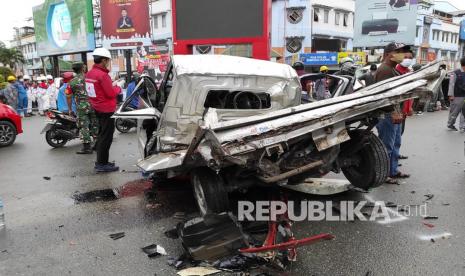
[{"x": 390, "y": 128}]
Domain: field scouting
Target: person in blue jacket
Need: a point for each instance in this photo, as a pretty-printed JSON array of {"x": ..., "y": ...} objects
[
  {"x": 130, "y": 89},
  {"x": 61, "y": 98},
  {"x": 22, "y": 96}
]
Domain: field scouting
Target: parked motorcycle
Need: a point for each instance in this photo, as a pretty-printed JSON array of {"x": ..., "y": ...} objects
[
  {"x": 125, "y": 125},
  {"x": 61, "y": 129}
]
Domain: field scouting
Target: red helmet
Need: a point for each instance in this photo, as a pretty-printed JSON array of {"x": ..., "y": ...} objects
[{"x": 67, "y": 76}]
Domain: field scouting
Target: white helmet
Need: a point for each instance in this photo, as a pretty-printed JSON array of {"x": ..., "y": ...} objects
[
  {"x": 26, "y": 77},
  {"x": 102, "y": 52},
  {"x": 41, "y": 78},
  {"x": 49, "y": 77}
]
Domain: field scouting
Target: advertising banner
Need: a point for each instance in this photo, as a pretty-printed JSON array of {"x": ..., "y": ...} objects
[
  {"x": 357, "y": 57},
  {"x": 153, "y": 60},
  {"x": 125, "y": 23},
  {"x": 379, "y": 22},
  {"x": 64, "y": 27},
  {"x": 319, "y": 59},
  {"x": 462, "y": 30}
]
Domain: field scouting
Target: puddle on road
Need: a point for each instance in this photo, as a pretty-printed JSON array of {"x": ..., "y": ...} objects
[{"x": 130, "y": 189}]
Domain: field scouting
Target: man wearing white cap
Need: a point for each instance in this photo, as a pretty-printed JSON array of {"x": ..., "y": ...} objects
[{"x": 102, "y": 97}]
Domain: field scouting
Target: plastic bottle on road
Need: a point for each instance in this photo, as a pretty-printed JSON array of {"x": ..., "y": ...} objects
[{"x": 2, "y": 215}]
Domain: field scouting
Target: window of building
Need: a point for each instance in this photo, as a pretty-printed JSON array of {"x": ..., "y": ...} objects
[
  {"x": 316, "y": 12},
  {"x": 337, "y": 18},
  {"x": 114, "y": 54},
  {"x": 452, "y": 56},
  {"x": 345, "y": 20},
  {"x": 155, "y": 21},
  {"x": 418, "y": 31},
  {"x": 163, "y": 21},
  {"x": 443, "y": 36},
  {"x": 326, "y": 16}
]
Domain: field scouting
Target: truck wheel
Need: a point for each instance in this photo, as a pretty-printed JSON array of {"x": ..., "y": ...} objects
[
  {"x": 7, "y": 133},
  {"x": 372, "y": 167},
  {"x": 209, "y": 191}
]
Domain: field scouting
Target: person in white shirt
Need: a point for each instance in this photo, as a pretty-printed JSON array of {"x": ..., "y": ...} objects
[
  {"x": 42, "y": 96},
  {"x": 52, "y": 92}
]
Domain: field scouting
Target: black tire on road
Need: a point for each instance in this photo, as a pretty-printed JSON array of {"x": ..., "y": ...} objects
[
  {"x": 121, "y": 126},
  {"x": 209, "y": 191},
  {"x": 7, "y": 133},
  {"x": 53, "y": 141},
  {"x": 373, "y": 168}
]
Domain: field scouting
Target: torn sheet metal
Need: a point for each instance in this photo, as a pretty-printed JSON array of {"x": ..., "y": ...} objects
[
  {"x": 162, "y": 161},
  {"x": 431, "y": 72},
  {"x": 268, "y": 133}
]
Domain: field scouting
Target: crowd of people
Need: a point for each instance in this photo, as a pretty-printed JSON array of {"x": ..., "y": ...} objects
[
  {"x": 91, "y": 96},
  {"x": 23, "y": 94}
]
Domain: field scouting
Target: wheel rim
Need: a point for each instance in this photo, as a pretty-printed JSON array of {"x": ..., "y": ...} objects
[
  {"x": 56, "y": 141},
  {"x": 121, "y": 125},
  {"x": 200, "y": 196},
  {"x": 6, "y": 134}
]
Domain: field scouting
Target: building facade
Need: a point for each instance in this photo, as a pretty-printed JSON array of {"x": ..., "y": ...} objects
[
  {"x": 437, "y": 35},
  {"x": 333, "y": 25},
  {"x": 290, "y": 29}
]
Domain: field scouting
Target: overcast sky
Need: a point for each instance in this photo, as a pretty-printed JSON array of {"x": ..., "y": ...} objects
[{"x": 15, "y": 12}]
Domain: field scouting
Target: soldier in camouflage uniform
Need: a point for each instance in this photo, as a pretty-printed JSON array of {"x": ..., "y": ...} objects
[{"x": 87, "y": 121}]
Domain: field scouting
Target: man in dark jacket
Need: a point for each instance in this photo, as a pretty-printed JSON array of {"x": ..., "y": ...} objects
[
  {"x": 456, "y": 96},
  {"x": 102, "y": 97}
]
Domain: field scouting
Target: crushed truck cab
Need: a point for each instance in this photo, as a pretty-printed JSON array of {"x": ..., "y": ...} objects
[{"x": 232, "y": 122}]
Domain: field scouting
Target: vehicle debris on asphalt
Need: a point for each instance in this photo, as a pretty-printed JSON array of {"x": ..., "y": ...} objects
[
  {"x": 198, "y": 271},
  {"x": 116, "y": 236},
  {"x": 154, "y": 250}
]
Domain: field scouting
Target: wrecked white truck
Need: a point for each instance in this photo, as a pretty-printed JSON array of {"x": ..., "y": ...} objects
[{"x": 231, "y": 123}]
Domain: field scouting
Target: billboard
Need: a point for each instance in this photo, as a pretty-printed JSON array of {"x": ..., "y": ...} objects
[
  {"x": 379, "y": 22},
  {"x": 220, "y": 20},
  {"x": 64, "y": 27},
  {"x": 358, "y": 57},
  {"x": 125, "y": 23},
  {"x": 462, "y": 30},
  {"x": 224, "y": 22},
  {"x": 153, "y": 60},
  {"x": 312, "y": 59}
]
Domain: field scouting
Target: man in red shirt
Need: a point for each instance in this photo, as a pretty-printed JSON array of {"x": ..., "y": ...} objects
[{"x": 102, "y": 97}]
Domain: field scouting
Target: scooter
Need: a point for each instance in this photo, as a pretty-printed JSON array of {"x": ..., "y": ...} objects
[{"x": 61, "y": 129}]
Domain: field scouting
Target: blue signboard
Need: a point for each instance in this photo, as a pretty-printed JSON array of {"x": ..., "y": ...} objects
[
  {"x": 462, "y": 30},
  {"x": 319, "y": 58}
]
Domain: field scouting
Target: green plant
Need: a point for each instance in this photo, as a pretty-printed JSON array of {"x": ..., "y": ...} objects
[{"x": 5, "y": 72}]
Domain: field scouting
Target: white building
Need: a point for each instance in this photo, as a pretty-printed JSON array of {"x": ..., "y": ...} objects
[
  {"x": 291, "y": 32},
  {"x": 25, "y": 41},
  {"x": 161, "y": 22},
  {"x": 333, "y": 25}
]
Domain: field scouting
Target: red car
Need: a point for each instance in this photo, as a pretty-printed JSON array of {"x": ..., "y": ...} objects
[{"x": 10, "y": 125}]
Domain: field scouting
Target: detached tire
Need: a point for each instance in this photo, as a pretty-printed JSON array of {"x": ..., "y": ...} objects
[
  {"x": 373, "y": 167},
  {"x": 209, "y": 191}
]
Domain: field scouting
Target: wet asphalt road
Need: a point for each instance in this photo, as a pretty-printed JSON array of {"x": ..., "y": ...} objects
[{"x": 49, "y": 234}]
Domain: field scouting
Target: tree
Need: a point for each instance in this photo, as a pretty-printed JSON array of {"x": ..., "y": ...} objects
[{"x": 10, "y": 56}]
